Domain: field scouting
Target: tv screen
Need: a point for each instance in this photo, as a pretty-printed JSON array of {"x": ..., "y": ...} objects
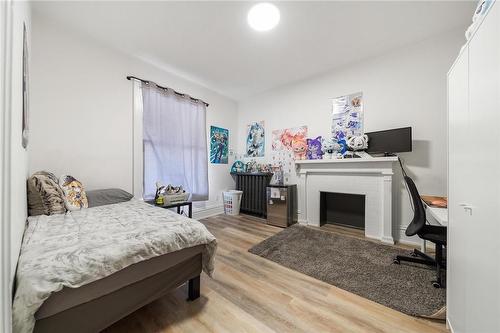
[{"x": 390, "y": 141}]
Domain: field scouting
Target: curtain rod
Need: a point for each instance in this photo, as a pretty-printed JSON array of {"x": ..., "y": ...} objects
[{"x": 176, "y": 92}]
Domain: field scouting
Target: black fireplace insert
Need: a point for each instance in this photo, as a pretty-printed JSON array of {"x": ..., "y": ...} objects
[{"x": 342, "y": 209}]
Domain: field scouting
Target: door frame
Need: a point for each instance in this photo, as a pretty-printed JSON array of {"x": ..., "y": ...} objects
[{"x": 5, "y": 167}]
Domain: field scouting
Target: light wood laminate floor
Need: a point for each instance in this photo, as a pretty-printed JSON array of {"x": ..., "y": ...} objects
[{"x": 251, "y": 294}]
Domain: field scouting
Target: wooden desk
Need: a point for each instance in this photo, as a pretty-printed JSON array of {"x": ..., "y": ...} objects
[{"x": 439, "y": 215}]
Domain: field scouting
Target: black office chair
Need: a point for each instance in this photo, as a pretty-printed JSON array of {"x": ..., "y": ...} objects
[{"x": 432, "y": 233}]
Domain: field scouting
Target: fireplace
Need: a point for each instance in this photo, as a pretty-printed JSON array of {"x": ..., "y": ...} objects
[
  {"x": 370, "y": 176},
  {"x": 344, "y": 209}
]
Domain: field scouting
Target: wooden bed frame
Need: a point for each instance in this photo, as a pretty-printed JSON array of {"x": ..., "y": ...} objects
[{"x": 97, "y": 305}]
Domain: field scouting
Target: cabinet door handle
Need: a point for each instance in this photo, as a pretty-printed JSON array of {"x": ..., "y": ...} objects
[
  {"x": 467, "y": 208},
  {"x": 465, "y": 205}
]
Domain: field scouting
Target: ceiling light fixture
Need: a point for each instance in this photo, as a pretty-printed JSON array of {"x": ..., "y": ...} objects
[{"x": 263, "y": 16}]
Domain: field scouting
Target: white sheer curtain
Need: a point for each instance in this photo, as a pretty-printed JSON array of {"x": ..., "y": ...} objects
[
  {"x": 137, "y": 149},
  {"x": 175, "y": 142}
]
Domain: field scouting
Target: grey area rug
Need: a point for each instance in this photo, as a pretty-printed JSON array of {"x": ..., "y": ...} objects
[{"x": 359, "y": 266}]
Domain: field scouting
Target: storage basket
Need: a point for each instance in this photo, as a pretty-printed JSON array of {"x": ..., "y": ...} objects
[
  {"x": 175, "y": 198},
  {"x": 232, "y": 201}
]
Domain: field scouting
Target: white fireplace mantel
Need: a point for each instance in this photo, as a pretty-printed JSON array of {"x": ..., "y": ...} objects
[{"x": 369, "y": 176}]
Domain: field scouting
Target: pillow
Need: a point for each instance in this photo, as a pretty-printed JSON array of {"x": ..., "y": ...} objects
[
  {"x": 74, "y": 193},
  {"x": 45, "y": 197},
  {"x": 107, "y": 196}
]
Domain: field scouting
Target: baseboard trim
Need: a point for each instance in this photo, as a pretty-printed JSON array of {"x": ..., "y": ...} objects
[
  {"x": 403, "y": 239},
  {"x": 407, "y": 242},
  {"x": 448, "y": 325},
  {"x": 203, "y": 213},
  {"x": 387, "y": 240}
]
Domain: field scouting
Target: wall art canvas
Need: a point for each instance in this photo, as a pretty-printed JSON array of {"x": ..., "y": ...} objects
[
  {"x": 283, "y": 160},
  {"x": 25, "y": 127},
  {"x": 219, "y": 143},
  {"x": 255, "y": 139},
  {"x": 347, "y": 116},
  {"x": 282, "y": 139}
]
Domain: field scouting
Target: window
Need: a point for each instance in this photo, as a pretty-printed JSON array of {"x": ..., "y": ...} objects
[{"x": 174, "y": 143}]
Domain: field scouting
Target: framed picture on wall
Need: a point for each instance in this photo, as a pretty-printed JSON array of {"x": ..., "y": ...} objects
[
  {"x": 219, "y": 142},
  {"x": 347, "y": 116},
  {"x": 255, "y": 139},
  {"x": 25, "y": 128}
]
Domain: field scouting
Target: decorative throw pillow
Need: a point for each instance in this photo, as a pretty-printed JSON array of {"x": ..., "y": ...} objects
[
  {"x": 75, "y": 197},
  {"x": 107, "y": 196},
  {"x": 45, "y": 197}
]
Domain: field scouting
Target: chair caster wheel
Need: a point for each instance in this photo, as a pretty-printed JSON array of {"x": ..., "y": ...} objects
[
  {"x": 396, "y": 261},
  {"x": 436, "y": 284}
]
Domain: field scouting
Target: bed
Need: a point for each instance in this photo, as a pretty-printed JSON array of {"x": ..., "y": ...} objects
[{"x": 84, "y": 270}]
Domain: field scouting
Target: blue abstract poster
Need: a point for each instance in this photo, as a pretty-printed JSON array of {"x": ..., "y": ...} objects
[{"x": 219, "y": 142}]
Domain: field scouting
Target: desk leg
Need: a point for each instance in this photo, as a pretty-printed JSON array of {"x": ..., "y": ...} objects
[
  {"x": 190, "y": 214},
  {"x": 178, "y": 209}
]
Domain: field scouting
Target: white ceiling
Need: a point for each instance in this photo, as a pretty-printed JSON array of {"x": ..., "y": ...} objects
[{"x": 210, "y": 42}]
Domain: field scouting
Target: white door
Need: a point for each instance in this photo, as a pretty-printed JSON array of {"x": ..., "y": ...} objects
[
  {"x": 459, "y": 174},
  {"x": 482, "y": 293}
]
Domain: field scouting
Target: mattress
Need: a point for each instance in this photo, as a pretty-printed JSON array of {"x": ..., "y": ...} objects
[{"x": 72, "y": 297}]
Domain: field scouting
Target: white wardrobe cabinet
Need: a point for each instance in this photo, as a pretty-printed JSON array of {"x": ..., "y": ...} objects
[{"x": 473, "y": 272}]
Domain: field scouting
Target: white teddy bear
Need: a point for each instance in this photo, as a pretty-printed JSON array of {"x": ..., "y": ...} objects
[
  {"x": 357, "y": 142},
  {"x": 330, "y": 147}
]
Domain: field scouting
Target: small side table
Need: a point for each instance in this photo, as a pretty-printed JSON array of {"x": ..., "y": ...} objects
[{"x": 177, "y": 205}]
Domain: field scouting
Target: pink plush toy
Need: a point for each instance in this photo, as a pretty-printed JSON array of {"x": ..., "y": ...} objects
[{"x": 299, "y": 147}]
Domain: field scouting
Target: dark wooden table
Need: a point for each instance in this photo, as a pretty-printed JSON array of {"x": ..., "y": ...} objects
[{"x": 177, "y": 205}]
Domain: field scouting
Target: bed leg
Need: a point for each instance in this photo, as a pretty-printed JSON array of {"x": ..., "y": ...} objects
[{"x": 194, "y": 288}]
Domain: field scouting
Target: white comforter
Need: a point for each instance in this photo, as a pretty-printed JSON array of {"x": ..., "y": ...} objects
[{"x": 79, "y": 247}]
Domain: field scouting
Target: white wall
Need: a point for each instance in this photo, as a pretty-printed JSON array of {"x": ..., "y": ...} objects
[
  {"x": 82, "y": 109},
  {"x": 406, "y": 87}
]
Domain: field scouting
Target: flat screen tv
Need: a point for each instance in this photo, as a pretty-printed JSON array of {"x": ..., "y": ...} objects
[{"x": 391, "y": 141}]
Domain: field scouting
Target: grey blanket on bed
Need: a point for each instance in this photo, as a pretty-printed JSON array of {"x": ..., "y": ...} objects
[{"x": 79, "y": 247}]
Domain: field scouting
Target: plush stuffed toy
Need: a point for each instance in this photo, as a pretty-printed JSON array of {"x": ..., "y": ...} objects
[
  {"x": 357, "y": 142},
  {"x": 330, "y": 147},
  {"x": 251, "y": 166},
  {"x": 299, "y": 147},
  {"x": 238, "y": 166},
  {"x": 314, "y": 151},
  {"x": 343, "y": 148},
  {"x": 75, "y": 197}
]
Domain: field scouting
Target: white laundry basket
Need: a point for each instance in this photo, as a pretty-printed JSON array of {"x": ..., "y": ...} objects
[{"x": 232, "y": 201}]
